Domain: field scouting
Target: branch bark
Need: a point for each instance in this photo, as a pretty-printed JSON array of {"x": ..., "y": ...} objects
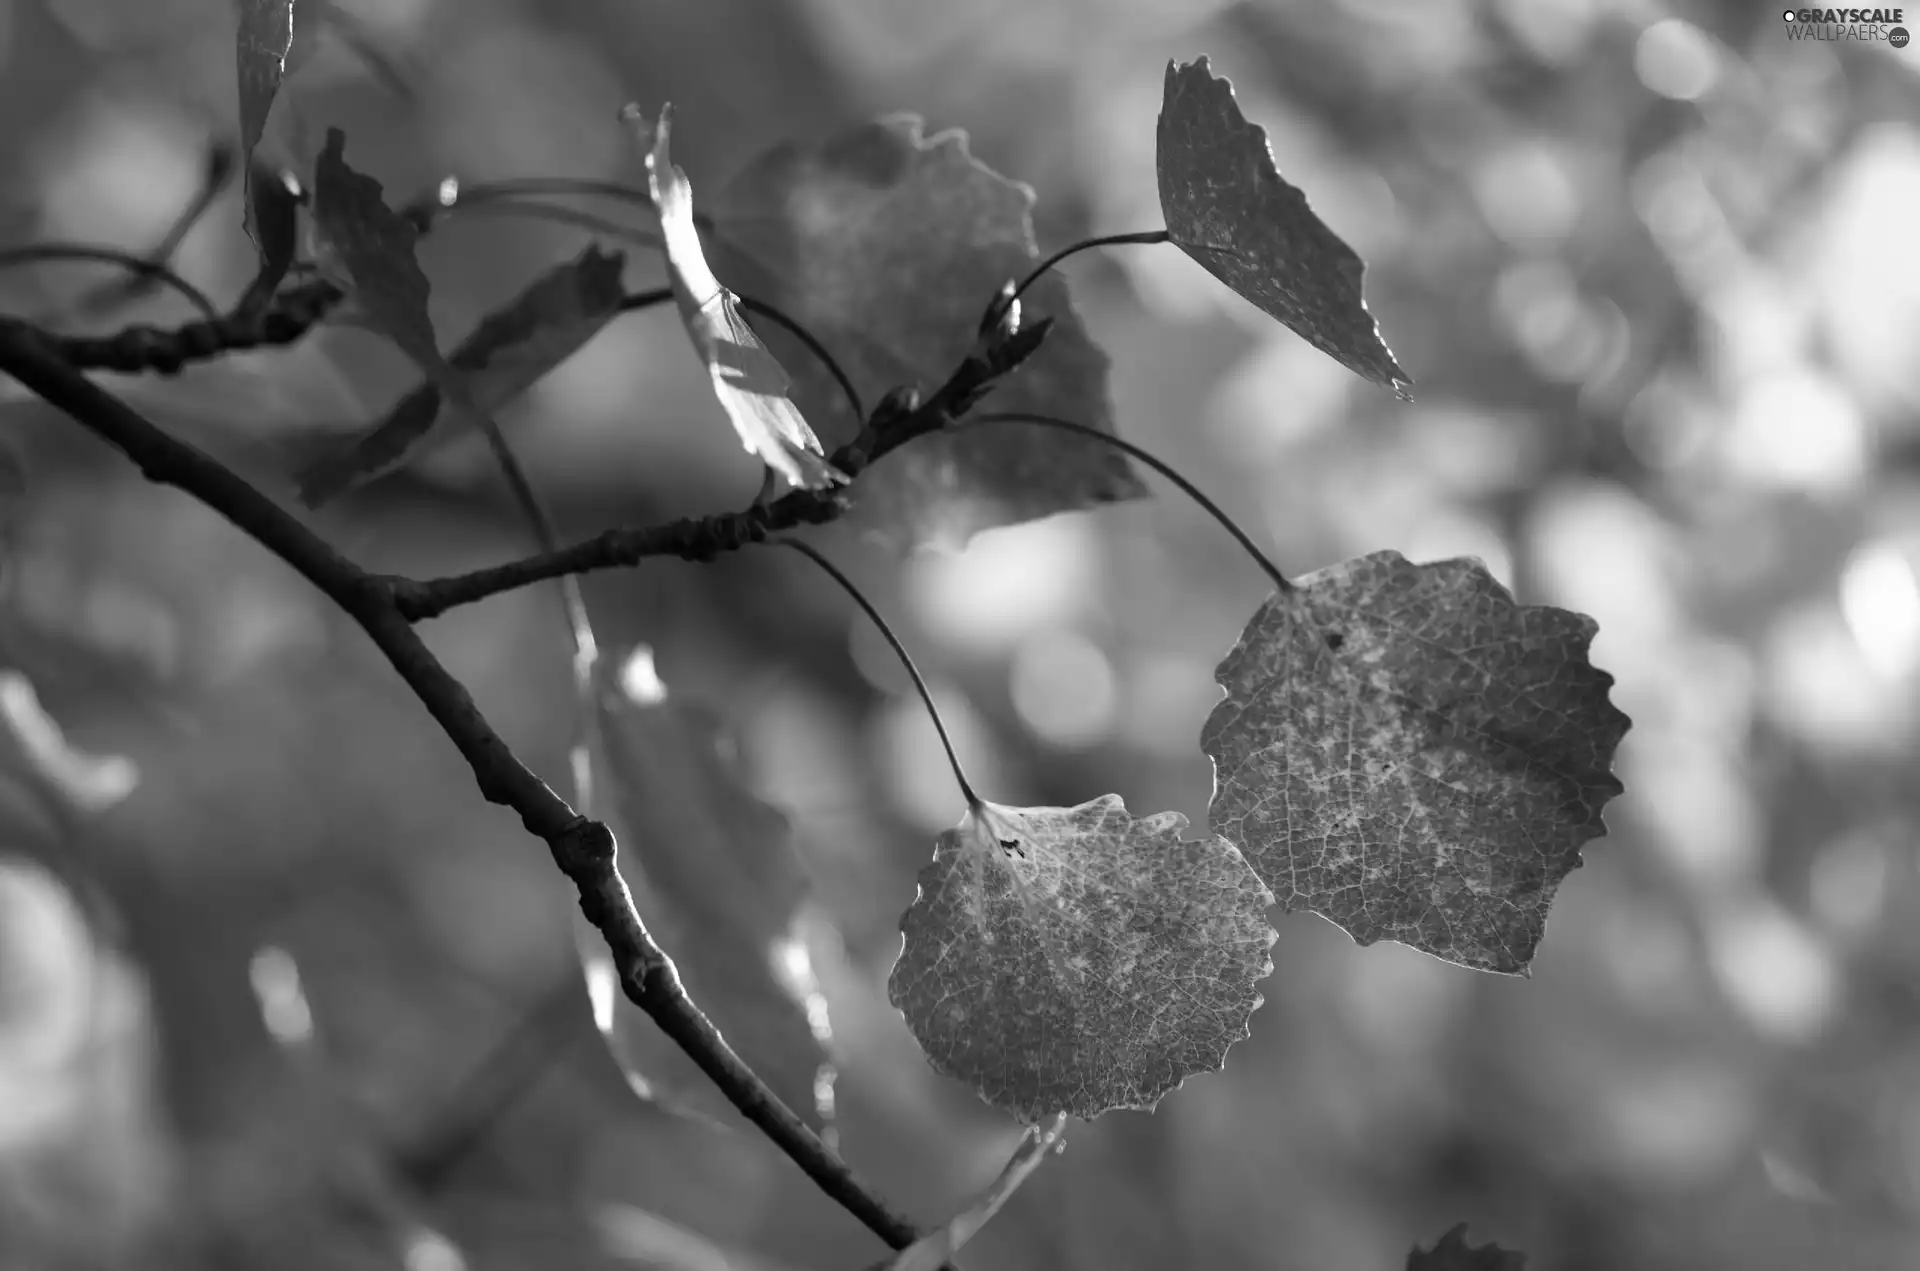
[
  {"x": 894, "y": 423},
  {"x": 584, "y": 850}
]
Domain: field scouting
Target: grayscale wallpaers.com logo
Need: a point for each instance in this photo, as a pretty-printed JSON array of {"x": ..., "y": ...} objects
[{"x": 1848, "y": 24}]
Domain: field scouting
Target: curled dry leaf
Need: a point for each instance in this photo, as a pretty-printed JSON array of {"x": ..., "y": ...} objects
[
  {"x": 888, "y": 245},
  {"x": 1452, "y": 1253},
  {"x": 751, "y": 385},
  {"x": 1406, "y": 751},
  {"x": 511, "y": 349},
  {"x": 1078, "y": 959},
  {"x": 1228, "y": 207}
]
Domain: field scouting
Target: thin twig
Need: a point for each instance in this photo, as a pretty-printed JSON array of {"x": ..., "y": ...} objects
[
  {"x": 645, "y": 299},
  {"x": 294, "y": 312},
  {"x": 48, "y": 253},
  {"x": 584, "y": 850},
  {"x": 215, "y": 173},
  {"x": 165, "y": 351},
  {"x": 703, "y": 538}
]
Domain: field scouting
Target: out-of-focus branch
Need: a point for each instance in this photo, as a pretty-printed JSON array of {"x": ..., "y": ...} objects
[
  {"x": 584, "y": 850},
  {"x": 222, "y": 157},
  {"x": 488, "y": 1090},
  {"x": 156, "y": 272}
]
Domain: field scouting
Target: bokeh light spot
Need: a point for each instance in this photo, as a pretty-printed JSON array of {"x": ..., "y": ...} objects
[
  {"x": 1063, "y": 688},
  {"x": 1676, "y": 59}
]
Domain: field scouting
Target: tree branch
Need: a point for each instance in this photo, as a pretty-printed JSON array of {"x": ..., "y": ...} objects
[
  {"x": 165, "y": 351},
  {"x": 894, "y": 423},
  {"x": 584, "y": 850}
]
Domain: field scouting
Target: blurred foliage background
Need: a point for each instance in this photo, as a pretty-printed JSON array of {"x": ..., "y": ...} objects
[{"x": 1652, "y": 268}]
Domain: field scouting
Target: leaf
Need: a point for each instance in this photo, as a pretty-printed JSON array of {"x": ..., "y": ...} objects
[
  {"x": 360, "y": 237},
  {"x": 1228, "y": 207},
  {"x": 260, "y": 63},
  {"x": 1406, "y": 751},
  {"x": 1453, "y": 1253},
  {"x": 931, "y": 1251},
  {"x": 714, "y": 873},
  {"x": 273, "y": 217},
  {"x": 888, "y": 247},
  {"x": 511, "y": 349},
  {"x": 372, "y": 245},
  {"x": 1077, "y": 959},
  {"x": 750, "y": 383}
]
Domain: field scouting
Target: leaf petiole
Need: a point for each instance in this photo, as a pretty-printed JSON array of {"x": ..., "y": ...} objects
[
  {"x": 1105, "y": 240},
  {"x": 1164, "y": 469},
  {"x": 974, "y": 801},
  {"x": 451, "y": 193},
  {"x": 535, "y": 210},
  {"x": 760, "y": 308},
  {"x": 44, "y": 253}
]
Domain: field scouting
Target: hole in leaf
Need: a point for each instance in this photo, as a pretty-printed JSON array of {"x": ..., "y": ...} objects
[
  {"x": 1010, "y": 846},
  {"x": 1335, "y": 640}
]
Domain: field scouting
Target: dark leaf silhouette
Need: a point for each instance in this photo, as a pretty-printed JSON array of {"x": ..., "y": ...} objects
[
  {"x": 1406, "y": 751},
  {"x": 1077, "y": 959},
  {"x": 888, "y": 247},
  {"x": 713, "y": 871},
  {"x": 1228, "y": 207},
  {"x": 511, "y": 349},
  {"x": 273, "y": 213},
  {"x": 260, "y": 62},
  {"x": 1453, "y": 1253},
  {"x": 370, "y": 246},
  {"x": 751, "y": 385}
]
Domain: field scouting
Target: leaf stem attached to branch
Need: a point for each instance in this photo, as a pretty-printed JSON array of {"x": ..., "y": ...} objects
[{"x": 1107, "y": 240}]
